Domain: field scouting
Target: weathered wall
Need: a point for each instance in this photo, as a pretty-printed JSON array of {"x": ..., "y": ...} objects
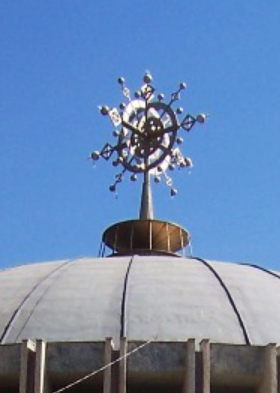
[{"x": 187, "y": 367}]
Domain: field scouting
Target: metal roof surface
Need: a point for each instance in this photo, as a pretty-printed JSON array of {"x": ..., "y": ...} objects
[{"x": 141, "y": 297}]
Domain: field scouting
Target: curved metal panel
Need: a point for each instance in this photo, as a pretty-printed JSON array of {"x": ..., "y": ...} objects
[
  {"x": 257, "y": 295},
  {"x": 163, "y": 297},
  {"x": 15, "y": 287},
  {"x": 174, "y": 299},
  {"x": 81, "y": 304}
]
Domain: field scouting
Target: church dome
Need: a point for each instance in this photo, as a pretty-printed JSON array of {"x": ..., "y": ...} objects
[
  {"x": 164, "y": 298},
  {"x": 142, "y": 319}
]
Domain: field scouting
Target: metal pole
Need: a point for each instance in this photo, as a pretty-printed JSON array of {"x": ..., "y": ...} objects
[{"x": 146, "y": 209}]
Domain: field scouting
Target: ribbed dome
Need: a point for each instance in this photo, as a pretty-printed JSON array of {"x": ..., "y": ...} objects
[{"x": 140, "y": 297}]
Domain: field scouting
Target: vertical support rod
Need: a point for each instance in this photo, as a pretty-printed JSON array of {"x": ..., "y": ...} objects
[
  {"x": 27, "y": 367},
  {"x": 40, "y": 368},
  {"x": 269, "y": 382},
  {"x": 122, "y": 366},
  {"x": 206, "y": 366},
  {"x": 108, "y": 370},
  {"x": 182, "y": 243},
  {"x": 103, "y": 249},
  {"x": 146, "y": 209},
  {"x": 100, "y": 250},
  {"x": 278, "y": 368},
  {"x": 189, "y": 378},
  {"x": 150, "y": 235},
  {"x": 167, "y": 236}
]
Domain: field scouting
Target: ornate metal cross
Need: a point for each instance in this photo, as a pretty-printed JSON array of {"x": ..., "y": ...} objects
[{"x": 146, "y": 129}]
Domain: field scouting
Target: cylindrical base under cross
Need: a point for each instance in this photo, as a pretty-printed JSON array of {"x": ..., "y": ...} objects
[{"x": 145, "y": 237}]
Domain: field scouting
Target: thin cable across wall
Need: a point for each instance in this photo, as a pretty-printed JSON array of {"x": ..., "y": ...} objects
[{"x": 95, "y": 372}]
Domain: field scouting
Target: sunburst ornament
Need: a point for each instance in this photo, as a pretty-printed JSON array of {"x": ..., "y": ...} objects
[{"x": 146, "y": 132}]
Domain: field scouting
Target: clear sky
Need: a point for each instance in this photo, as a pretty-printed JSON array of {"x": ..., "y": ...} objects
[{"x": 60, "y": 59}]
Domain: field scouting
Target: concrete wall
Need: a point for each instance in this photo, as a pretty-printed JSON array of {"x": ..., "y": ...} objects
[{"x": 187, "y": 367}]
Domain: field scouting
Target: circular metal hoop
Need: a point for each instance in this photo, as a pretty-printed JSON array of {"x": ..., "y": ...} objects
[{"x": 148, "y": 135}]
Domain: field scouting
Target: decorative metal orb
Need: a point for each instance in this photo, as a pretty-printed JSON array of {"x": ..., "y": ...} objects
[
  {"x": 173, "y": 192},
  {"x": 179, "y": 140},
  {"x": 133, "y": 177},
  {"x": 171, "y": 167},
  {"x": 95, "y": 155},
  {"x": 183, "y": 85},
  {"x": 137, "y": 94},
  {"x": 157, "y": 179},
  {"x": 180, "y": 110},
  {"x": 112, "y": 188},
  {"x": 121, "y": 80},
  {"x": 148, "y": 78},
  {"x": 161, "y": 97},
  {"x": 201, "y": 118},
  {"x": 188, "y": 162},
  {"x": 104, "y": 110}
]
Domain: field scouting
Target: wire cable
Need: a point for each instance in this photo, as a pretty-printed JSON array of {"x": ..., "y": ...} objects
[{"x": 104, "y": 367}]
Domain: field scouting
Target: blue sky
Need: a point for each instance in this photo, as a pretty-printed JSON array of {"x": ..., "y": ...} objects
[{"x": 60, "y": 59}]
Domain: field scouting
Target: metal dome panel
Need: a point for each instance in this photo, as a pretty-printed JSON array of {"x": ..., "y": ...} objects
[
  {"x": 141, "y": 297},
  {"x": 80, "y": 301},
  {"x": 257, "y": 297},
  {"x": 177, "y": 299},
  {"x": 16, "y": 286}
]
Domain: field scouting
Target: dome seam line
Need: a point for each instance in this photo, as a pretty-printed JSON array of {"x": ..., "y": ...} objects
[
  {"x": 124, "y": 298},
  {"x": 29, "y": 294},
  {"x": 230, "y": 298},
  {"x": 262, "y": 269}
]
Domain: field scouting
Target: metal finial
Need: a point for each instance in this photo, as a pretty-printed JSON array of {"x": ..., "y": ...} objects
[{"x": 147, "y": 137}]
